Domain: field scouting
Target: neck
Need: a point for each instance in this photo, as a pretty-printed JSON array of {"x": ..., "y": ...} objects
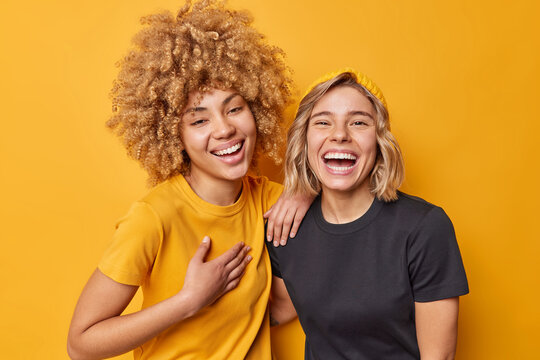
[
  {"x": 217, "y": 192},
  {"x": 340, "y": 207}
]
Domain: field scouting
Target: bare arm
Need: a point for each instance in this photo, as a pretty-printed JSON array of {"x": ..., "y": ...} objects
[
  {"x": 281, "y": 306},
  {"x": 98, "y": 330},
  {"x": 285, "y": 216},
  {"x": 436, "y": 328}
]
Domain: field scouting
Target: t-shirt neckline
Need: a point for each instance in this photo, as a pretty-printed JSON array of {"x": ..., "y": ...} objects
[
  {"x": 347, "y": 228},
  {"x": 203, "y": 206}
]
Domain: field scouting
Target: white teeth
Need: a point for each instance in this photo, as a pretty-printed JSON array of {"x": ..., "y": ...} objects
[
  {"x": 228, "y": 150},
  {"x": 336, "y": 155},
  {"x": 340, "y": 168}
]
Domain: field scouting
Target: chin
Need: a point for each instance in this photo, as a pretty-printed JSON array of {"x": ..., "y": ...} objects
[
  {"x": 344, "y": 189},
  {"x": 342, "y": 185},
  {"x": 235, "y": 174}
]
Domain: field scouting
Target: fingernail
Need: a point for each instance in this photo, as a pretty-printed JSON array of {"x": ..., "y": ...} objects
[
  {"x": 249, "y": 257},
  {"x": 276, "y": 243},
  {"x": 268, "y": 238},
  {"x": 292, "y": 234},
  {"x": 205, "y": 239},
  {"x": 283, "y": 242},
  {"x": 248, "y": 248}
]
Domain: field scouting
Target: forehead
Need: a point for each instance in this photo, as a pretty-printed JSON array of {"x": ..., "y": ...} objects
[
  {"x": 210, "y": 97},
  {"x": 343, "y": 99}
]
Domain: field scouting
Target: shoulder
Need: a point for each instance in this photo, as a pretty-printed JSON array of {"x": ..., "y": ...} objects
[
  {"x": 411, "y": 214},
  {"x": 165, "y": 198},
  {"x": 427, "y": 223},
  {"x": 159, "y": 191},
  {"x": 412, "y": 203},
  {"x": 413, "y": 207},
  {"x": 264, "y": 189},
  {"x": 262, "y": 182}
]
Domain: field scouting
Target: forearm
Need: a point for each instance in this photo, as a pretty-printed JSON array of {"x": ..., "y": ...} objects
[
  {"x": 443, "y": 348},
  {"x": 281, "y": 313},
  {"x": 98, "y": 329},
  {"x": 436, "y": 328},
  {"x": 120, "y": 334},
  {"x": 445, "y": 355},
  {"x": 281, "y": 307}
]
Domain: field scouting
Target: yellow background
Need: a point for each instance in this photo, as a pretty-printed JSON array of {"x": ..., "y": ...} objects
[{"x": 461, "y": 79}]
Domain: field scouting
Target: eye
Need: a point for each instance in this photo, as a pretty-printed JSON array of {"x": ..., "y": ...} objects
[
  {"x": 198, "y": 122},
  {"x": 235, "y": 110},
  {"x": 321, "y": 122},
  {"x": 359, "y": 123}
]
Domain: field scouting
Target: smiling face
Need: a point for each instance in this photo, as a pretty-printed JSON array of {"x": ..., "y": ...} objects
[
  {"x": 342, "y": 141},
  {"x": 219, "y": 135}
]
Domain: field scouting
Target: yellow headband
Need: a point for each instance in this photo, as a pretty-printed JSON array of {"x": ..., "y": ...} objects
[{"x": 362, "y": 79}]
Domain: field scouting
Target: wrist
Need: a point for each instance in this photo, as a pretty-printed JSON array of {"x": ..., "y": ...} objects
[{"x": 187, "y": 303}]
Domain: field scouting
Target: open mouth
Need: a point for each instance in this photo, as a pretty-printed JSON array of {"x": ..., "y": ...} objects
[
  {"x": 339, "y": 161},
  {"x": 230, "y": 150}
]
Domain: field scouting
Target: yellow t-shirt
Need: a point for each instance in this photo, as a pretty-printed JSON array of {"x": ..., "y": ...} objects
[{"x": 152, "y": 247}]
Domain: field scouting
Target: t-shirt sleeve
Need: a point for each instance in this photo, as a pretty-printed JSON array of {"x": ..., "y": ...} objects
[
  {"x": 134, "y": 246},
  {"x": 435, "y": 267},
  {"x": 274, "y": 260}
]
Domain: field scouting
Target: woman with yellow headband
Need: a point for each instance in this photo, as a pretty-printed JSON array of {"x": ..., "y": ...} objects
[{"x": 372, "y": 272}]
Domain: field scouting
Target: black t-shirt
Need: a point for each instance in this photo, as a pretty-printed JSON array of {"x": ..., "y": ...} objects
[{"x": 354, "y": 285}]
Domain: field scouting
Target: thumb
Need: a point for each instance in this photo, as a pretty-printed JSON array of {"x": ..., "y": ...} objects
[
  {"x": 266, "y": 215},
  {"x": 201, "y": 252}
]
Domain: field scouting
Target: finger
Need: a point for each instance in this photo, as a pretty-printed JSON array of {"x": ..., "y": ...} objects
[
  {"x": 233, "y": 284},
  {"x": 269, "y": 231},
  {"x": 278, "y": 226},
  {"x": 270, "y": 225},
  {"x": 298, "y": 217},
  {"x": 237, "y": 260},
  {"x": 201, "y": 252},
  {"x": 287, "y": 223},
  {"x": 230, "y": 254},
  {"x": 272, "y": 215},
  {"x": 240, "y": 269}
]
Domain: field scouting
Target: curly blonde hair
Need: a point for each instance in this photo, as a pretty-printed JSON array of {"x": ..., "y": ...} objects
[
  {"x": 388, "y": 171},
  {"x": 205, "y": 46}
]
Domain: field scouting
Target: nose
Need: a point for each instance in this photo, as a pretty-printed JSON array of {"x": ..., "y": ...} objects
[
  {"x": 340, "y": 134},
  {"x": 223, "y": 128}
]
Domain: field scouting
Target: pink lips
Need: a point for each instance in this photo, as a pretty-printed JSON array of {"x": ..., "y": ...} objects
[{"x": 230, "y": 153}]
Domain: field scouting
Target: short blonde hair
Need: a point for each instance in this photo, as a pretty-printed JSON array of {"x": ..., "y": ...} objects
[
  {"x": 387, "y": 173},
  {"x": 204, "y": 46}
]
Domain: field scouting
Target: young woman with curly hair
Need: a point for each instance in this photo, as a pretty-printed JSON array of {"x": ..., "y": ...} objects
[
  {"x": 373, "y": 273},
  {"x": 197, "y": 100}
]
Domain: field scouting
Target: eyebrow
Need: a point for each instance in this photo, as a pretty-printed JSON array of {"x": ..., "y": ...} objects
[
  {"x": 201, "y": 108},
  {"x": 354, "y": 112}
]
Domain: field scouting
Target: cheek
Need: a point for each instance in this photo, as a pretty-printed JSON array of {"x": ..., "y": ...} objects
[
  {"x": 374, "y": 145},
  {"x": 312, "y": 161},
  {"x": 372, "y": 148},
  {"x": 252, "y": 131},
  {"x": 368, "y": 142},
  {"x": 247, "y": 125},
  {"x": 251, "y": 127},
  {"x": 194, "y": 141},
  {"x": 313, "y": 145}
]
